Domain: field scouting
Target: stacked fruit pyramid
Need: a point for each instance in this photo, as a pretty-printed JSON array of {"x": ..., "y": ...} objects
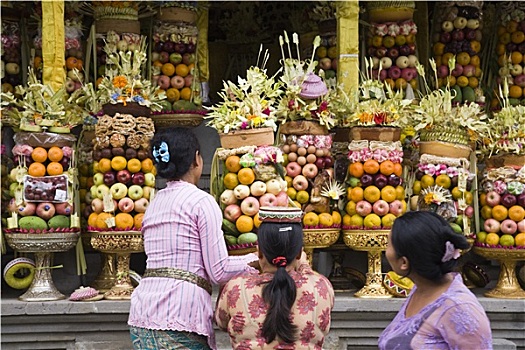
[
  {"x": 327, "y": 53},
  {"x": 252, "y": 178},
  {"x": 511, "y": 52},
  {"x": 42, "y": 184},
  {"x": 457, "y": 48},
  {"x": 173, "y": 60},
  {"x": 123, "y": 173},
  {"x": 310, "y": 179},
  {"x": 11, "y": 56},
  {"x": 444, "y": 185},
  {"x": 391, "y": 44},
  {"x": 375, "y": 193}
]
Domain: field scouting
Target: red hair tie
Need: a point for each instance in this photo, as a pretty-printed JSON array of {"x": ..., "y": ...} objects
[{"x": 280, "y": 261}]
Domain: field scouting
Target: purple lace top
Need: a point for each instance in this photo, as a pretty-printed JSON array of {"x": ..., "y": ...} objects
[{"x": 455, "y": 320}]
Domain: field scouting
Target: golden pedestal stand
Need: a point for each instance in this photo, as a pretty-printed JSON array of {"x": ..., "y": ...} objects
[
  {"x": 43, "y": 245},
  {"x": 373, "y": 242},
  {"x": 123, "y": 244},
  {"x": 318, "y": 238},
  {"x": 106, "y": 277},
  {"x": 508, "y": 286}
]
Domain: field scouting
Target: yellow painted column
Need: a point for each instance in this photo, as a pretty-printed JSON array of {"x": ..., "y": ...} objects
[
  {"x": 53, "y": 44},
  {"x": 202, "y": 41},
  {"x": 347, "y": 13}
]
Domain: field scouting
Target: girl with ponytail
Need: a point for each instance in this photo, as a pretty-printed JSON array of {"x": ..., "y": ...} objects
[{"x": 287, "y": 304}]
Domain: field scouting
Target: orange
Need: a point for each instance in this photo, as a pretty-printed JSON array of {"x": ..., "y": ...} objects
[
  {"x": 350, "y": 208},
  {"x": 244, "y": 223},
  {"x": 516, "y": 57},
  {"x": 37, "y": 169},
  {"x": 500, "y": 49},
  {"x": 311, "y": 219},
  {"x": 516, "y": 213},
  {"x": 92, "y": 219},
  {"x": 117, "y": 163},
  {"x": 246, "y": 176},
  {"x": 55, "y": 168},
  {"x": 501, "y": 30},
  {"x": 475, "y": 46},
  {"x": 325, "y": 220},
  {"x": 451, "y": 80},
  {"x": 137, "y": 221},
  {"x": 462, "y": 81},
  {"x": 191, "y": 66},
  {"x": 98, "y": 81},
  {"x": 158, "y": 64},
  {"x": 492, "y": 239},
  {"x": 499, "y": 212},
  {"x": 372, "y": 194},
  {"x": 147, "y": 166},
  {"x": 473, "y": 82},
  {"x": 438, "y": 49},
  {"x": 39, "y": 154},
  {"x": 101, "y": 220},
  {"x": 182, "y": 70},
  {"x": 502, "y": 60},
  {"x": 185, "y": 93},
  {"x": 172, "y": 95},
  {"x": 512, "y": 26},
  {"x": 386, "y": 167},
  {"x": 446, "y": 57},
  {"x": 346, "y": 220},
  {"x": 388, "y": 193},
  {"x": 398, "y": 169},
  {"x": 71, "y": 62},
  {"x": 134, "y": 165},
  {"x": 336, "y": 217},
  {"x": 233, "y": 163},
  {"x": 371, "y": 166},
  {"x": 104, "y": 165},
  {"x": 390, "y": 82},
  {"x": 256, "y": 221},
  {"x": 515, "y": 91},
  {"x": 519, "y": 239},
  {"x": 357, "y": 194},
  {"x": 230, "y": 181},
  {"x": 486, "y": 212},
  {"x": 80, "y": 64},
  {"x": 37, "y": 62},
  {"x": 483, "y": 199},
  {"x": 356, "y": 169},
  {"x": 55, "y": 154},
  {"x": 168, "y": 69},
  {"x": 124, "y": 221}
]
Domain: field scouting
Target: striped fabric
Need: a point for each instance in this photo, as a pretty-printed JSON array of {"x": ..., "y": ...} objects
[{"x": 182, "y": 229}]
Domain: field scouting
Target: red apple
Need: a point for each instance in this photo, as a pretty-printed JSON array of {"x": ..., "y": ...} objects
[
  {"x": 363, "y": 208},
  {"x": 250, "y": 205},
  {"x": 232, "y": 212}
]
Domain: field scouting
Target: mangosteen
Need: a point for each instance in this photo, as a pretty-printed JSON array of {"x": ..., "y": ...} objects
[
  {"x": 169, "y": 47},
  {"x": 419, "y": 174},
  {"x": 159, "y": 46},
  {"x": 118, "y": 151}
]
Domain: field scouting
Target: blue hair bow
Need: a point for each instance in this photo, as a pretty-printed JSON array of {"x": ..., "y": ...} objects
[{"x": 161, "y": 153}]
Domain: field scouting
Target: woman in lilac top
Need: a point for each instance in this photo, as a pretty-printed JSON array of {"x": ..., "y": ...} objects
[
  {"x": 172, "y": 307},
  {"x": 440, "y": 313}
]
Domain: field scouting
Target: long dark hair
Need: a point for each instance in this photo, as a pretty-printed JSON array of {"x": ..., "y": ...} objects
[
  {"x": 182, "y": 146},
  {"x": 277, "y": 241},
  {"x": 421, "y": 237}
]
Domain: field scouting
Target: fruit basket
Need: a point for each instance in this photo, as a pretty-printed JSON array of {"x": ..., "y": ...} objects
[
  {"x": 239, "y": 138},
  {"x": 242, "y": 249},
  {"x": 374, "y": 242},
  {"x": 319, "y": 238}
]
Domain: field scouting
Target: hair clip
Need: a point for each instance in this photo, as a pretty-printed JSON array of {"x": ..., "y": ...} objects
[
  {"x": 161, "y": 153},
  {"x": 287, "y": 228},
  {"x": 450, "y": 252},
  {"x": 280, "y": 261}
]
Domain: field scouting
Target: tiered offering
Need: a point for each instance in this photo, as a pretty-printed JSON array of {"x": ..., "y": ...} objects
[
  {"x": 457, "y": 49},
  {"x": 11, "y": 55}
]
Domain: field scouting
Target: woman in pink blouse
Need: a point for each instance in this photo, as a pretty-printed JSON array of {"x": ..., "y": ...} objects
[
  {"x": 172, "y": 308},
  {"x": 440, "y": 312},
  {"x": 287, "y": 306}
]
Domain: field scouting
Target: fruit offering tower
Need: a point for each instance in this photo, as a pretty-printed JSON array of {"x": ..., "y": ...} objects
[
  {"x": 124, "y": 173},
  {"x": 457, "y": 49},
  {"x": 11, "y": 56},
  {"x": 43, "y": 184},
  {"x": 511, "y": 51},
  {"x": 173, "y": 58},
  {"x": 252, "y": 178},
  {"x": 376, "y": 192},
  {"x": 391, "y": 43}
]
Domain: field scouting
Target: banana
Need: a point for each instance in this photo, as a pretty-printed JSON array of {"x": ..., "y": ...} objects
[{"x": 229, "y": 228}]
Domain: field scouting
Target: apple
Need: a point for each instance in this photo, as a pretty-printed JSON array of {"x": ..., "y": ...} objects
[
  {"x": 396, "y": 207},
  {"x": 282, "y": 199},
  {"x": 293, "y": 168},
  {"x": 179, "y": 47},
  {"x": 149, "y": 179},
  {"x": 520, "y": 200},
  {"x": 521, "y": 226},
  {"x": 109, "y": 177},
  {"x": 325, "y": 63},
  {"x": 393, "y": 53},
  {"x": 386, "y": 62},
  {"x": 516, "y": 69},
  {"x": 412, "y": 60},
  {"x": 460, "y": 22},
  {"x": 232, "y": 212},
  {"x": 24, "y": 209},
  {"x": 98, "y": 179},
  {"x": 135, "y": 192},
  {"x": 414, "y": 202},
  {"x": 257, "y": 188},
  {"x": 188, "y": 58},
  {"x": 45, "y": 210},
  {"x": 381, "y": 52},
  {"x": 509, "y": 226},
  {"x": 445, "y": 37},
  {"x": 102, "y": 190},
  {"x": 268, "y": 200},
  {"x": 491, "y": 225},
  {"x": 164, "y": 82},
  {"x": 473, "y": 23},
  {"x": 394, "y": 180},
  {"x": 70, "y": 85},
  {"x": 141, "y": 205},
  {"x": 177, "y": 82},
  {"x": 319, "y": 163},
  {"x": 228, "y": 197},
  {"x": 164, "y": 57},
  {"x": 300, "y": 183},
  {"x": 394, "y": 72},
  {"x": 508, "y": 200},
  {"x": 142, "y": 154},
  {"x": 273, "y": 186},
  {"x": 310, "y": 170},
  {"x": 328, "y": 162},
  {"x": 175, "y": 58},
  {"x": 366, "y": 180},
  {"x": 123, "y": 176},
  {"x": 63, "y": 208},
  {"x": 363, "y": 208},
  {"x": 188, "y": 80},
  {"x": 380, "y": 180},
  {"x": 493, "y": 198},
  {"x": 250, "y": 205},
  {"x": 138, "y": 178},
  {"x": 97, "y": 205},
  {"x": 443, "y": 71},
  {"x": 126, "y": 205},
  {"x": 447, "y": 26},
  {"x": 402, "y": 61},
  {"x": 380, "y": 207},
  {"x": 241, "y": 191},
  {"x": 119, "y": 190},
  {"x": 469, "y": 211},
  {"x": 408, "y": 74},
  {"x": 148, "y": 190},
  {"x": 458, "y": 70}
]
